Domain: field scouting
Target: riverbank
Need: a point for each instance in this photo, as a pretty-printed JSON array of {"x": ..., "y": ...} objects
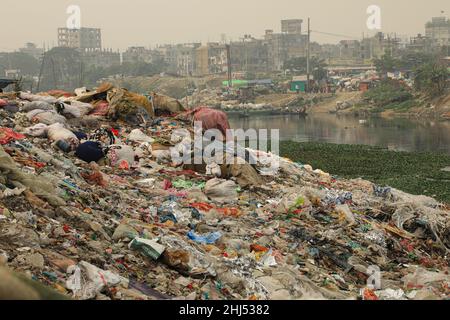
[
  {"x": 413, "y": 172},
  {"x": 390, "y": 99}
]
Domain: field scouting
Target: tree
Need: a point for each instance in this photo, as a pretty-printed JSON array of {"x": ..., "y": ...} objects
[
  {"x": 27, "y": 64},
  {"x": 412, "y": 60},
  {"x": 386, "y": 64},
  {"x": 406, "y": 61},
  {"x": 128, "y": 69},
  {"x": 299, "y": 65},
  {"x": 432, "y": 79}
]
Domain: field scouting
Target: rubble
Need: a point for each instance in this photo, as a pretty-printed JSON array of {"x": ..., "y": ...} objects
[{"x": 111, "y": 217}]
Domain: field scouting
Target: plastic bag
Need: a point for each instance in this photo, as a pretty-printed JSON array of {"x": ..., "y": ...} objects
[
  {"x": 209, "y": 238},
  {"x": 222, "y": 191},
  {"x": 117, "y": 154},
  {"x": 38, "y": 130},
  {"x": 87, "y": 280},
  {"x": 36, "y": 97},
  {"x": 7, "y": 135},
  {"x": 46, "y": 117},
  {"x": 83, "y": 108},
  {"x": 57, "y": 132},
  {"x": 34, "y": 105},
  {"x": 138, "y": 136},
  {"x": 148, "y": 248}
]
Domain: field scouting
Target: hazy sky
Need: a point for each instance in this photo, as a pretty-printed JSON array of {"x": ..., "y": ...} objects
[{"x": 151, "y": 22}]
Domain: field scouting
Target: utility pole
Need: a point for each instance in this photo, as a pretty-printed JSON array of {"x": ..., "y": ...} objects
[{"x": 308, "y": 54}]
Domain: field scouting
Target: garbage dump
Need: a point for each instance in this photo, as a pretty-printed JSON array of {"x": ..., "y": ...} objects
[{"x": 93, "y": 207}]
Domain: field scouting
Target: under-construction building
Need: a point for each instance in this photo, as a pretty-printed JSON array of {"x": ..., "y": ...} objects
[{"x": 84, "y": 39}]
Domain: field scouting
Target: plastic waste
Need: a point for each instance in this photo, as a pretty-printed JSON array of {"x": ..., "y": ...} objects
[
  {"x": 149, "y": 248},
  {"x": 209, "y": 238},
  {"x": 7, "y": 135},
  {"x": 138, "y": 136},
  {"x": 87, "y": 280},
  {"x": 223, "y": 191}
]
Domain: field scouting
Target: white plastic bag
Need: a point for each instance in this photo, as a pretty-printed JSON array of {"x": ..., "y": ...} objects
[
  {"x": 57, "y": 132},
  {"x": 138, "y": 136},
  {"x": 38, "y": 130},
  {"x": 223, "y": 191}
]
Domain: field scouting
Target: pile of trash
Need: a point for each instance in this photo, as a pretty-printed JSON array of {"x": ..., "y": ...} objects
[{"x": 92, "y": 206}]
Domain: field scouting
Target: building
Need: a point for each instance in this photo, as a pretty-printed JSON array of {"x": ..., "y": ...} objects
[
  {"x": 137, "y": 54},
  {"x": 32, "y": 50},
  {"x": 184, "y": 57},
  {"x": 420, "y": 43},
  {"x": 328, "y": 51},
  {"x": 288, "y": 44},
  {"x": 250, "y": 55},
  {"x": 211, "y": 59},
  {"x": 12, "y": 73},
  {"x": 180, "y": 58},
  {"x": 299, "y": 83},
  {"x": 84, "y": 39},
  {"x": 101, "y": 59},
  {"x": 292, "y": 26},
  {"x": 350, "y": 49},
  {"x": 438, "y": 29}
]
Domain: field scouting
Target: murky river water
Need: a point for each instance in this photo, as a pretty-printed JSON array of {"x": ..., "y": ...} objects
[{"x": 396, "y": 134}]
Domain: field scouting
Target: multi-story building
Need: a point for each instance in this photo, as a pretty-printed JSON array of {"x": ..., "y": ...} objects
[
  {"x": 211, "y": 59},
  {"x": 350, "y": 49},
  {"x": 291, "y": 26},
  {"x": 288, "y": 44},
  {"x": 137, "y": 54},
  {"x": 250, "y": 55},
  {"x": 101, "y": 59},
  {"x": 185, "y": 56},
  {"x": 328, "y": 51},
  {"x": 420, "y": 43},
  {"x": 378, "y": 45},
  {"x": 180, "y": 58},
  {"x": 438, "y": 29},
  {"x": 84, "y": 39}
]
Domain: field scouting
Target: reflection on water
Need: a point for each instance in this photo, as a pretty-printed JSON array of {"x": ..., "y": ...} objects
[{"x": 395, "y": 134}]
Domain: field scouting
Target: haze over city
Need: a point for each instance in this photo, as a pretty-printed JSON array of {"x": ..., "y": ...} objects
[{"x": 149, "y": 23}]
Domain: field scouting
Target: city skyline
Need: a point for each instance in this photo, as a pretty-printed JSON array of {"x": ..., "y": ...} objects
[{"x": 148, "y": 23}]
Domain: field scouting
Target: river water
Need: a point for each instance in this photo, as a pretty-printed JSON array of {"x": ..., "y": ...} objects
[{"x": 395, "y": 134}]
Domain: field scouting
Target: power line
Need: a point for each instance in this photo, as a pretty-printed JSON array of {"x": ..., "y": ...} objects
[{"x": 336, "y": 35}]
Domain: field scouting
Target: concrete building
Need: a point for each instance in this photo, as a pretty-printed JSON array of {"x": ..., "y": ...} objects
[
  {"x": 288, "y": 44},
  {"x": 438, "y": 29},
  {"x": 185, "y": 56},
  {"x": 328, "y": 51},
  {"x": 420, "y": 43},
  {"x": 350, "y": 49},
  {"x": 32, "y": 50},
  {"x": 180, "y": 58},
  {"x": 84, "y": 39},
  {"x": 291, "y": 26},
  {"x": 137, "y": 54},
  {"x": 101, "y": 59},
  {"x": 211, "y": 59},
  {"x": 250, "y": 55},
  {"x": 378, "y": 45}
]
